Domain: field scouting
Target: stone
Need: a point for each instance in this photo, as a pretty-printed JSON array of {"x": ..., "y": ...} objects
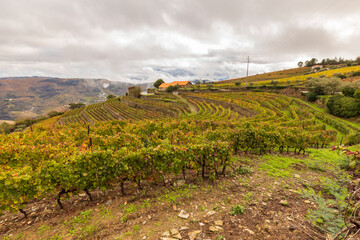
[
  {"x": 193, "y": 235},
  {"x": 267, "y": 227},
  {"x": 297, "y": 175},
  {"x": 179, "y": 183},
  {"x": 174, "y": 231},
  {"x": 284, "y": 203},
  {"x": 215, "y": 229},
  {"x": 219, "y": 223},
  {"x": 149, "y": 217},
  {"x": 249, "y": 231},
  {"x": 183, "y": 214},
  {"x": 201, "y": 224},
  {"x": 177, "y": 236},
  {"x": 184, "y": 228},
  {"x": 210, "y": 213},
  {"x": 166, "y": 234}
]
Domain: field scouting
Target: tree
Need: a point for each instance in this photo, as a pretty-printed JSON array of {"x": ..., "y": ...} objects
[
  {"x": 136, "y": 92},
  {"x": 158, "y": 83},
  {"x": 198, "y": 84},
  {"x": 357, "y": 94},
  {"x": 275, "y": 83},
  {"x": 300, "y": 64},
  {"x": 325, "y": 85},
  {"x": 53, "y": 114},
  {"x": 176, "y": 87},
  {"x": 110, "y": 96},
  {"x": 348, "y": 91},
  {"x": 311, "y": 96},
  {"x": 312, "y": 62},
  {"x": 357, "y": 60},
  {"x": 342, "y": 106},
  {"x": 76, "y": 105},
  {"x": 169, "y": 89}
]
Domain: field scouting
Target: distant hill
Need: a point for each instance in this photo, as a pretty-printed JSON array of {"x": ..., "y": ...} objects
[{"x": 22, "y": 97}]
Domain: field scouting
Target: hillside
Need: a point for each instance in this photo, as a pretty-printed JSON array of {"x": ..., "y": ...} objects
[
  {"x": 270, "y": 76},
  {"x": 27, "y": 97},
  {"x": 240, "y": 164}
]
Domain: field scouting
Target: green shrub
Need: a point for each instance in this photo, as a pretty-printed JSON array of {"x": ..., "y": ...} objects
[
  {"x": 348, "y": 91},
  {"x": 357, "y": 94},
  {"x": 275, "y": 83},
  {"x": 356, "y": 74},
  {"x": 343, "y": 106},
  {"x": 312, "y": 96},
  {"x": 170, "y": 89},
  {"x": 339, "y": 75}
]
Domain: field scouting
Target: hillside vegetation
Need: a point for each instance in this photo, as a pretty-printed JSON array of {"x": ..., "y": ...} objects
[
  {"x": 212, "y": 164},
  {"x": 29, "y": 97},
  {"x": 134, "y": 151},
  {"x": 294, "y": 76},
  {"x": 271, "y": 75}
]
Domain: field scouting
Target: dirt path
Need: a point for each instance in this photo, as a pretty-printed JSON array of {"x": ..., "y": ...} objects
[{"x": 191, "y": 106}]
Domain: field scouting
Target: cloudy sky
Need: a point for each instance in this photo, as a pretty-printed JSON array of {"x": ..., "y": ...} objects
[{"x": 143, "y": 40}]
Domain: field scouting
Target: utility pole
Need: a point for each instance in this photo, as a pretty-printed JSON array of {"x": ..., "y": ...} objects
[{"x": 247, "y": 70}]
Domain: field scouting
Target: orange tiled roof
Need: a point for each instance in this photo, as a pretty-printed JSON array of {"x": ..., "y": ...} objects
[
  {"x": 181, "y": 83},
  {"x": 164, "y": 85}
]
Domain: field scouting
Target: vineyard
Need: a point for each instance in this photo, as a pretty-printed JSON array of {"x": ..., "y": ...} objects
[
  {"x": 290, "y": 76},
  {"x": 201, "y": 133},
  {"x": 271, "y": 76}
]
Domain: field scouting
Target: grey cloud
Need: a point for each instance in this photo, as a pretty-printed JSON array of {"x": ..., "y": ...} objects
[{"x": 181, "y": 39}]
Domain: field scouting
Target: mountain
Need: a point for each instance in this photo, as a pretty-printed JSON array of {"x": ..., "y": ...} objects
[{"x": 25, "y": 97}]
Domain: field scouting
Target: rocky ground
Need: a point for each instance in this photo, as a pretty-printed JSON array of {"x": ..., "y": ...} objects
[{"x": 259, "y": 198}]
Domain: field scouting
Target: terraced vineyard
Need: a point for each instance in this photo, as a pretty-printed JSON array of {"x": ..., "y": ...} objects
[
  {"x": 271, "y": 76},
  {"x": 297, "y": 75},
  {"x": 116, "y": 109},
  {"x": 154, "y": 139},
  {"x": 275, "y": 110},
  {"x": 252, "y": 108}
]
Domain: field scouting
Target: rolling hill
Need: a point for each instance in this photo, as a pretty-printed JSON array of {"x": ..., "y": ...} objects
[
  {"x": 271, "y": 75},
  {"x": 24, "y": 97}
]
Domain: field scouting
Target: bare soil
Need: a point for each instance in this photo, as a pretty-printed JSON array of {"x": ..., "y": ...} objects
[{"x": 273, "y": 210}]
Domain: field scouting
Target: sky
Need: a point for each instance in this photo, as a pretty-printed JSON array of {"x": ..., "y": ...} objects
[{"x": 143, "y": 40}]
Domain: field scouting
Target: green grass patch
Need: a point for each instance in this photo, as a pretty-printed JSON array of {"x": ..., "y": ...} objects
[
  {"x": 279, "y": 166},
  {"x": 325, "y": 159}
]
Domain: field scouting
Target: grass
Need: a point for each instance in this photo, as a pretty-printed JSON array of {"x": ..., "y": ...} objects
[
  {"x": 317, "y": 108},
  {"x": 237, "y": 210},
  {"x": 178, "y": 194},
  {"x": 43, "y": 228},
  {"x": 279, "y": 166}
]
